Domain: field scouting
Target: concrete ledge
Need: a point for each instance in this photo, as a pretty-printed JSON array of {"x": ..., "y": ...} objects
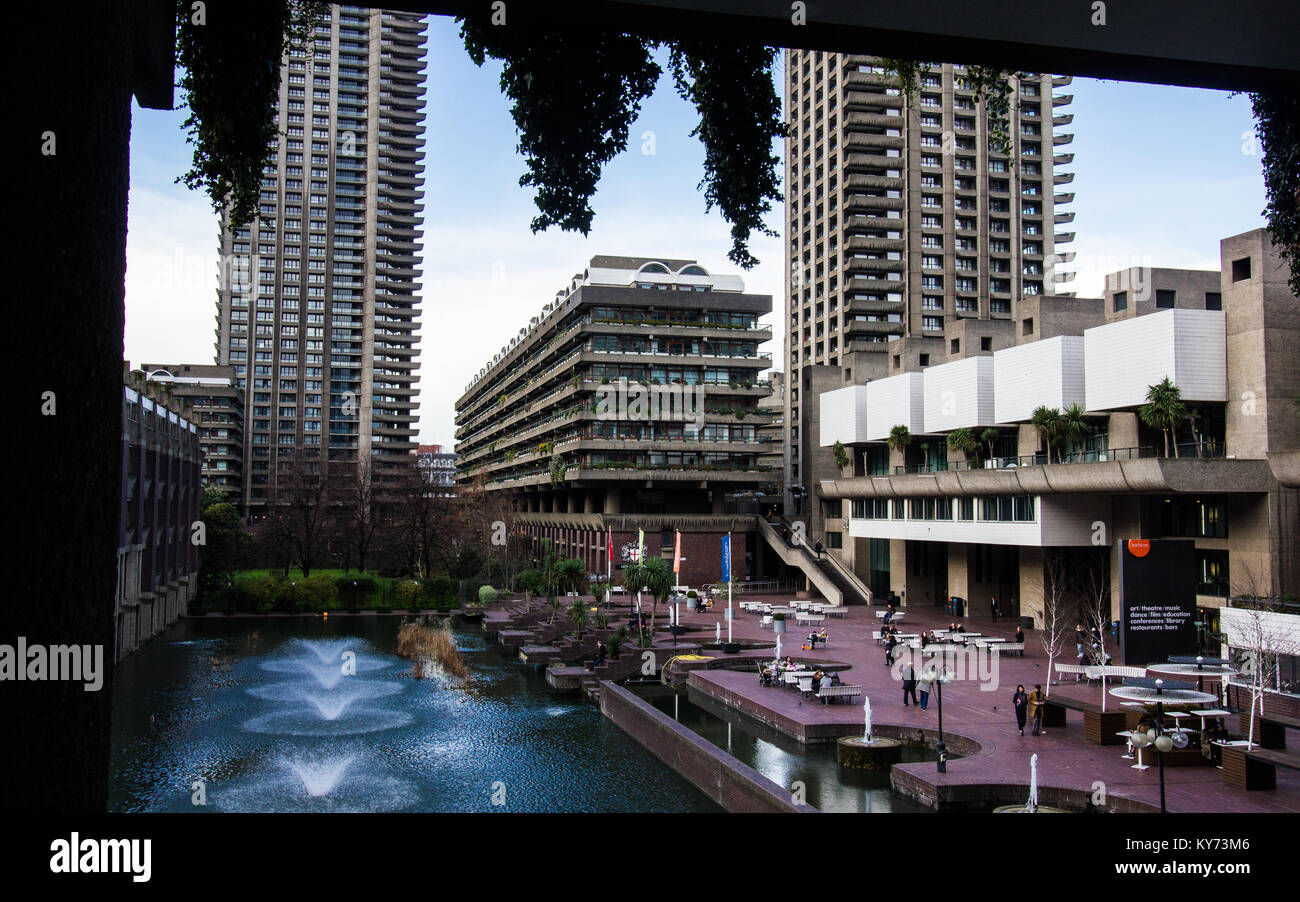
[{"x": 735, "y": 786}]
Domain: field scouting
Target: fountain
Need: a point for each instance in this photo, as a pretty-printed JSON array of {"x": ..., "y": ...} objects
[
  {"x": 319, "y": 779},
  {"x": 1031, "y": 806},
  {"x": 868, "y": 752}
]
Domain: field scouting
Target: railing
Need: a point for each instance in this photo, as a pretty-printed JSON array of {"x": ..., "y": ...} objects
[{"x": 1207, "y": 450}]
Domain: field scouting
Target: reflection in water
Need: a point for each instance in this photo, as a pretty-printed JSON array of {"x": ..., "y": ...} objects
[
  {"x": 787, "y": 762},
  {"x": 306, "y": 715}
]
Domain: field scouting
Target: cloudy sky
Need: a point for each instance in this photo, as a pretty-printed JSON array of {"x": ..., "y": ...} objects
[{"x": 1161, "y": 175}]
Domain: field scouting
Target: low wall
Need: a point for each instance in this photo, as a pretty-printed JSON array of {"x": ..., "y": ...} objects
[{"x": 735, "y": 786}]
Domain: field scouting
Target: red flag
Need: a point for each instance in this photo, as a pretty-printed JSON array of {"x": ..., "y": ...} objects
[{"x": 609, "y": 554}]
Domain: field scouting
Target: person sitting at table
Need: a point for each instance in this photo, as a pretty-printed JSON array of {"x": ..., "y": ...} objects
[
  {"x": 817, "y": 680},
  {"x": 889, "y": 614},
  {"x": 925, "y": 638},
  {"x": 960, "y": 628},
  {"x": 952, "y": 627},
  {"x": 1020, "y": 634},
  {"x": 765, "y": 675},
  {"x": 788, "y": 664}
]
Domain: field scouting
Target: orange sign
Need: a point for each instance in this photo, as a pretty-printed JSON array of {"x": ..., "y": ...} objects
[{"x": 1139, "y": 547}]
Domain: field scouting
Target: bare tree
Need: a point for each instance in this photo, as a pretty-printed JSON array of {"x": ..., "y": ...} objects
[
  {"x": 358, "y": 510},
  {"x": 300, "y": 509},
  {"x": 1095, "y": 603},
  {"x": 1261, "y": 636},
  {"x": 1054, "y": 618}
]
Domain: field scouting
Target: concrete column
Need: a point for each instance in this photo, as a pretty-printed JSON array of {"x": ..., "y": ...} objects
[
  {"x": 719, "y": 502},
  {"x": 612, "y": 499},
  {"x": 588, "y": 501},
  {"x": 959, "y": 575},
  {"x": 1031, "y": 584}
]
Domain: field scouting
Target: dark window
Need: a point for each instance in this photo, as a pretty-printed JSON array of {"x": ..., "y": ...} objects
[
  {"x": 925, "y": 360},
  {"x": 1213, "y": 300},
  {"x": 956, "y": 346},
  {"x": 1165, "y": 299},
  {"x": 1212, "y": 573},
  {"x": 1120, "y": 302},
  {"x": 1241, "y": 269},
  {"x": 834, "y": 540},
  {"x": 1027, "y": 326},
  {"x": 986, "y": 343}
]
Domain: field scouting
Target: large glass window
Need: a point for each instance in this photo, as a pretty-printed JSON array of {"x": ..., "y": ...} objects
[{"x": 1212, "y": 573}]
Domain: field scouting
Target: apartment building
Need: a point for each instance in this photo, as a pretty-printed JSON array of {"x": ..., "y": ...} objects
[
  {"x": 157, "y": 564},
  {"x": 630, "y": 402},
  {"x": 437, "y": 468},
  {"x": 937, "y": 516},
  {"x": 319, "y": 305},
  {"x": 217, "y": 401},
  {"x": 908, "y": 225}
]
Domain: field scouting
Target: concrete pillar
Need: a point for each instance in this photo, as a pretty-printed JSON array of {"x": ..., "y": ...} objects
[
  {"x": 588, "y": 501},
  {"x": 1122, "y": 430},
  {"x": 612, "y": 499},
  {"x": 1031, "y": 584},
  {"x": 959, "y": 575},
  {"x": 719, "y": 502}
]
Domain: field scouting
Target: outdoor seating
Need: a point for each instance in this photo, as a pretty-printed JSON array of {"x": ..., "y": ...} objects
[{"x": 827, "y": 694}]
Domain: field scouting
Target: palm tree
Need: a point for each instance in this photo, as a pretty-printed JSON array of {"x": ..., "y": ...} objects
[
  {"x": 899, "y": 438},
  {"x": 1164, "y": 410},
  {"x": 1047, "y": 422},
  {"x": 1074, "y": 427},
  {"x": 841, "y": 453},
  {"x": 964, "y": 441},
  {"x": 659, "y": 583},
  {"x": 578, "y": 614}
]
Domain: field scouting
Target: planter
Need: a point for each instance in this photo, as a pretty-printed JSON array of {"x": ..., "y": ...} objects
[
  {"x": 731, "y": 648},
  {"x": 778, "y": 626}
]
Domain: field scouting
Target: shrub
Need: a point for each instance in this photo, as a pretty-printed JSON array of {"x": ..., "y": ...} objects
[
  {"x": 406, "y": 592},
  {"x": 256, "y": 593},
  {"x": 487, "y": 595},
  {"x": 318, "y": 591}
]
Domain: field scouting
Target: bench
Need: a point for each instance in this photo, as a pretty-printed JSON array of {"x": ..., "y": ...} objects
[
  {"x": 1076, "y": 669},
  {"x": 1099, "y": 727},
  {"x": 1000, "y": 647},
  {"x": 1270, "y": 729},
  {"x": 829, "y": 693},
  {"x": 1255, "y": 769}
]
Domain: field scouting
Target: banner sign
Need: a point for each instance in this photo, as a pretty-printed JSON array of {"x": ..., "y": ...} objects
[
  {"x": 1157, "y": 599},
  {"x": 726, "y": 558}
]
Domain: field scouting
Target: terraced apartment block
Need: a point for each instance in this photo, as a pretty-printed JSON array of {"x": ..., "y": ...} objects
[{"x": 629, "y": 402}]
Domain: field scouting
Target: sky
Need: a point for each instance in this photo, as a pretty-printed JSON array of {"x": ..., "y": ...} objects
[{"x": 1161, "y": 175}]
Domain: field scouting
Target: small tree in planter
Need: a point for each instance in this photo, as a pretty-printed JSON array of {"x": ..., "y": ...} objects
[
  {"x": 842, "y": 459},
  {"x": 615, "y": 643},
  {"x": 579, "y": 615}
]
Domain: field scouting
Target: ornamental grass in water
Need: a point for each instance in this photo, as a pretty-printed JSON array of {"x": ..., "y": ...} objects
[{"x": 430, "y": 647}]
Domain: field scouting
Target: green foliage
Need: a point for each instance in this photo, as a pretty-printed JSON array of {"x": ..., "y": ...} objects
[
  {"x": 441, "y": 590},
  {"x": 579, "y": 614},
  {"x": 964, "y": 440},
  {"x": 1075, "y": 427},
  {"x": 227, "y": 544},
  {"x": 899, "y": 438},
  {"x": 575, "y": 93},
  {"x": 487, "y": 595},
  {"x": 406, "y": 591},
  {"x": 558, "y": 469},
  {"x": 740, "y": 116},
  {"x": 991, "y": 86},
  {"x": 1277, "y": 124},
  {"x": 530, "y": 581},
  {"x": 1047, "y": 423},
  {"x": 1164, "y": 410},
  {"x": 841, "y": 453},
  {"x": 229, "y": 65}
]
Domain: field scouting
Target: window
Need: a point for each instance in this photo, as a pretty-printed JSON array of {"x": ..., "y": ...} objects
[
  {"x": 955, "y": 346},
  {"x": 1120, "y": 301},
  {"x": 1027, "y": 326},
  {"x": 1212, "y": 573},
  {"x": 1241, "y": 269},
  {"x": 1165, "y": 299},
  {"x": 1213, "y": 300},
  {"x": 986, "y": 343}
]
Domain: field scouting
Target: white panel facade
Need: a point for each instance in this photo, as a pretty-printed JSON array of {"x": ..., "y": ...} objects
[
  {"x": 959, "y": 394},
  {"x": 898, "y": 400},
  {"x": 1060, "y": 521},
  {"x": 1048, "y": 373},
  {"x": 843, "y": 415},
  {"x": 1123, "y": 359}
]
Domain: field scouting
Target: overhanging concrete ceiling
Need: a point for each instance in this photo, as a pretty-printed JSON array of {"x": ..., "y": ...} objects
[{"x": 1239, "y": 45}]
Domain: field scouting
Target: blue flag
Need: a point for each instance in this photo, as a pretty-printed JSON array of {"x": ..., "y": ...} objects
[{"x": 726, "y": 558}]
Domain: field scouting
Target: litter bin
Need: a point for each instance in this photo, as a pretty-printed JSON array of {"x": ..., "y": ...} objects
[{"x": 1026, "y": 623}]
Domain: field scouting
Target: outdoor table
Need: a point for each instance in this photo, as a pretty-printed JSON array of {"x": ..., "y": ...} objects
[
  {"x": 1209, "y": 712},
  {"x": 995, "y": 639},
  {"x": 1128, "y": 734},
  {"x": 1178, "y": 719}
]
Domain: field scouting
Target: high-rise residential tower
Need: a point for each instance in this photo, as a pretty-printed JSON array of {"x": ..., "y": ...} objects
[
  {"x": 322, "y": 330},
  {"x": 908, "y": 238}
]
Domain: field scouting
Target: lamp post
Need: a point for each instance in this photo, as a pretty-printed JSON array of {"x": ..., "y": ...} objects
[
  {"x": 1156, "y": 736},
  {"x": 941, "y": 750}
]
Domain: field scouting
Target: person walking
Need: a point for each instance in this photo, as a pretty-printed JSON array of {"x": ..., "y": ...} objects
[
  {"x": 818, "y": 548},
  {"x": 909, "y": 683},
  {"x": 1036, "y": 704},
  {"x": 993, "y": 608},
  {"x": 889, "y": 650},
  {"x": 923, "y": 686},
  {"x": 1020, "y": 701}
]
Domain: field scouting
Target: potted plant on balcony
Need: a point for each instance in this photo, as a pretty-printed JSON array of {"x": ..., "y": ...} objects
[
  {"x": 899, "y": 438},
  {"x": 842, "y": 459}
]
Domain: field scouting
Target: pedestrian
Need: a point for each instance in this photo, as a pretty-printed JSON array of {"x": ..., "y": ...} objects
[
  {"x": 600, "y": 655},
  {"x": 889, "y": 651},
  {"x": 1037, "y": 702},
  {"x": 993, "y": 608},
  {"x": 817, "y": 547},
  {"x": 1021, "y": 703},
  {"x": 1020, "y": 634},
  {"x": 1078, "y": 640},
  {"x": 926, "y": 681},
  {"x": 909, "y": 683}
]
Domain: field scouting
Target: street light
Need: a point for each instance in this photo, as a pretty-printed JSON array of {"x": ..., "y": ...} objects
[
  {"x": 1159, "y": 738},
  {"x": 939, "y": 678}
]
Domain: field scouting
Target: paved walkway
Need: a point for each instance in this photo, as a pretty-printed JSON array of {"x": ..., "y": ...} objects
[{"x": 1065, "y": 759}]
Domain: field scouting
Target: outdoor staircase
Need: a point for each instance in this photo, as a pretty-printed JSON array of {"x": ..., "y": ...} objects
[{"x": 836, "y": 582}]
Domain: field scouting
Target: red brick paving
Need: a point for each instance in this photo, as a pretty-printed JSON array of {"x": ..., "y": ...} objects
[{"x": 1065, "y": 760}]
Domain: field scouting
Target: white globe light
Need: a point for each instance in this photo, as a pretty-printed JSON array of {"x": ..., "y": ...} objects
[{"x": 1164, "y": 743}]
